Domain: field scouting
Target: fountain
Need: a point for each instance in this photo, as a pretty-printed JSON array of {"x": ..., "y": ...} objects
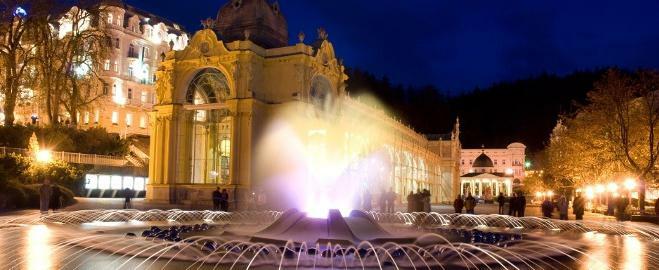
[{"x": 177, "y": 239}]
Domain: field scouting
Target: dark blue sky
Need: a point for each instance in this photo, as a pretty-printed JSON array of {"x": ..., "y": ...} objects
[{"x": 458, "y": 45}]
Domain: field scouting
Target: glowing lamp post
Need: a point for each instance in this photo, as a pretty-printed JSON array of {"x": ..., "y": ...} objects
[
  {"x": 630, "y": 184},
  {"x": 44, "y": 156}
]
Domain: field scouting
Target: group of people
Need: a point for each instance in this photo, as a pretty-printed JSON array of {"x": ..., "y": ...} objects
[
  {"x": 221, "y": 200},
  {"x": 50, "y": 197},
  {"x": 468, "y": 203},
  {"x": 419, "y": 201},
  {"x": 563, "y": 205},
  {"x": 516, "y": 204}
]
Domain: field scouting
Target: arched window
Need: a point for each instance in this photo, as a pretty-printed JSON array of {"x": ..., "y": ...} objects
[{"x": 208, "y": 86}]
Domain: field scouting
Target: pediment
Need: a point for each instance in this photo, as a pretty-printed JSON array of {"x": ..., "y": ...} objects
[{"x": 204, "y": 43}]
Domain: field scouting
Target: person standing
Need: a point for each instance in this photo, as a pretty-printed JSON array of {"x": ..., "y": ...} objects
[
  {"x": 426, "y": 201},
  {"x": 128, "y": 195},
  {"x": 217, "y": 197},
  {"x": 410, "y": 202},
  {"x": 521, "y": 204},
  {"x": 562, "y": 207},
  {"x": 470, "y": 204},
  {"x": 44, "y": 196},
  {"x": 458, "y": 204},
  {"x": 382, "y": 202},
  {"x": 366, "y": 199},
  {"x": 55, "y": 198},
  {"x": 578, "y": 207},
  {"x": 391, "y": 201},
  {"x": 621, "y": 208},
  {"x": 224, "y": 200},
  {"x": 501, "y": 200},
  {"x": 547, "y": 208},
  {"x": 512, "y": 205}
]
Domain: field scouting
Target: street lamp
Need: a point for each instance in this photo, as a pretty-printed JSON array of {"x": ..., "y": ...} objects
[
  {"x": 44, "y": 156},
  {"x": 630, "y": 183}
]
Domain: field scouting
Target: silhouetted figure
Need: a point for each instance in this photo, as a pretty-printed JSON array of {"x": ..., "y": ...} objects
[
  {"x": 366, "y": 203},
  {"x": 611, "y": 206},
  {"x": 217, "y": 198},
  {"x": 55, "y": 198},
  {"x": 45, "y": 191},
  {"x": 562, "y": 207},
  {"x": 426, "y": 201},
  {"x": 512, "y": 205},
  {"x": 621, "y": 208},
  {"x": 382, "y": 202},
  {"x": 501, "y": 200},
  {"x": 470, "y": 204},
  {"x": 521, "y": 204},
  {"x": 458, "y": 204},
  {"x": 547, "y": 208},
  {"x": 128, "y": 195},
  {"x": 410, "y": 202},
  {"x": 578, "y": 206},
  {"x": 224, "y": 201},
  {"x": 391, "y": 201}
]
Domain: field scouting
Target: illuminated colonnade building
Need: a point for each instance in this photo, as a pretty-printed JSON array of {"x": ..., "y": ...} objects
[{"x": 241, "y": 109}]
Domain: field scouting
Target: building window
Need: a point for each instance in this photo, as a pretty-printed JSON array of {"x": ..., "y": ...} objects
[
  {"x": 114, "y": 90},
  {"x": 110, "y": 18},
  {"x": 116, "y": 67},
  {"x": 470, "y": 162},
  {"x": 105, "y": 89},
  {"x": 144, "y": 96},
  {"x": 97, "y": 116},
  {"x": 85, "y": 118},
  {"x": 115, "y": 118},
  {"x": 495, "y": 162},
  {"x": 106, "y": 65},
  {"x": 145, "y": 52},
  {"x": 116, "y": 43},
  {"x": 504, "y": 162},
  {"x": 130, "y": 93},
  {"x": 142, "y": 122},
  {"x": 129, "y": 119},
  {"x": 131, "y": 51},
  {"x": 463, "y": 162},
  {"x": 130, "y": 72}
]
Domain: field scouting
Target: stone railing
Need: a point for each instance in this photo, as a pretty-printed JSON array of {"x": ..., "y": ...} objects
[{"x": 79, "y": 158}]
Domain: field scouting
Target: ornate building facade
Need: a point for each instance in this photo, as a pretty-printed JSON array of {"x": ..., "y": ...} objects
[
  {"x": 239, "y": 105},
  {"x": 487, "y": 172},
  {"x": 138, "y": 39}
]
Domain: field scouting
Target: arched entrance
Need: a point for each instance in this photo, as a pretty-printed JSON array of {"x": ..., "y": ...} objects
[{"x": 210, "y": 126}]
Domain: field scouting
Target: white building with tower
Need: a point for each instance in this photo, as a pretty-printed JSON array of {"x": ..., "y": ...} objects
[{"x": 487, "y": 171}]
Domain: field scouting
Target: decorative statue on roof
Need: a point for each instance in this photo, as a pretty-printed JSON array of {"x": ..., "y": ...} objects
[
  {"x": 322, "y": 34},
  {"x": 208, "y": 23}
]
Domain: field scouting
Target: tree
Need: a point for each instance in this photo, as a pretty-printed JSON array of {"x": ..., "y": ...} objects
[
  {"x": 16, "y": 54},
  {"x": 70, "y": 58},
  {"x": 614, "y": 134}
]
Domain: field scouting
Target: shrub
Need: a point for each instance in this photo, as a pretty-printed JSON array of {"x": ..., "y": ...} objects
[{"x": 95, "y": 140}]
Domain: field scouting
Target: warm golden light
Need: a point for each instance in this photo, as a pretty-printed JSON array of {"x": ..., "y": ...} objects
[
  {"x": 599, "y": 188},
  {"x": 44, "y": 156},
  {"x": 590, "y": 193},
  {"x": 509, "y": 171},
  {"x": 630, "y": 183},
  {"x": 612, "y": 187},
  {"x": 38, "y": 250},
  {"x": 550, "y": 193},
  {"x": 538, "y": 194}
]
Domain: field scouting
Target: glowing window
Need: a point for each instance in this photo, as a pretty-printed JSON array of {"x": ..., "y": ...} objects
[
  {"x": 85, "y": 118},
  {"x": 91, "y": 181},
  {"x": 142, "y": 122},
  {"x": 128, "y": 182},
  {"x": 103, "y": 182},
  {"x": 116, "y": 182},
  {"x": 129, "y": 119},
  {"x": 115, "y": 118},
  {"x": 116, "y": 67},
  {"x": 144, "y": 96},
  {"x": 110, "y": 18},
  {"x": 139, "y": 183},
  {"x": 97, "y": 116},
  {"x": 106, "y": 65}
]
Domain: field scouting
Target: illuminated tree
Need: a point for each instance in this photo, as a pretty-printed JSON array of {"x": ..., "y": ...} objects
[{"x": 614, "y": 134}]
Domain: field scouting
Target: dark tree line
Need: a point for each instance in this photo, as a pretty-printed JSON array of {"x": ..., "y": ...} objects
[{"x": 525, "y": 110}]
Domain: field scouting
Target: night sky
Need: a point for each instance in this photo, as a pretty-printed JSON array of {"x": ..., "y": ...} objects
[{"x": 458, "y": 45}]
